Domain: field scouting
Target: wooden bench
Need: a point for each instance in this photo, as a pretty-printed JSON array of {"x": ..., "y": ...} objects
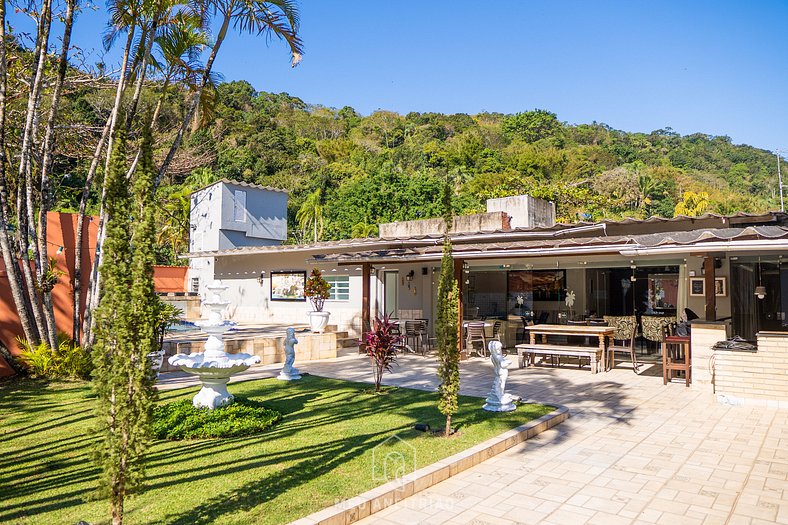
[{"x": 592, "y": 353}]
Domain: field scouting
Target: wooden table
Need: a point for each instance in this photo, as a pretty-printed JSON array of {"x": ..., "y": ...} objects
[
  {"x": 593, "y": 353},
  {"x": 676, "y": 355}
]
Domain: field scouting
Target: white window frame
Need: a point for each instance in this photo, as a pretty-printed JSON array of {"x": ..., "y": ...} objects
[
  {"x": 239, "y": 206},
  {"x": 333, "y": 280}
]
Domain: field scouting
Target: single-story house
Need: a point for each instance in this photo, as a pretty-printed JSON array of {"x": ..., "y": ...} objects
[{"x": 514, "y": 262}]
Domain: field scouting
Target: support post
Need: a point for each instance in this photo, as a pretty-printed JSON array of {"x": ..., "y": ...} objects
[
  {"x": 711, "y": 297},
  {"x": 365, "y": 321},
  {"x": 458, "y": 275}
]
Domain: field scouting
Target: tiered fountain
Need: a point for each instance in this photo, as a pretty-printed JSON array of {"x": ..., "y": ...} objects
[{"x": 214, "y": 366}]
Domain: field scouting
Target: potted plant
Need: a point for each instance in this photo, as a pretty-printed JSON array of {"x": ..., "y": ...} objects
[{"x": 316, "y": 290}]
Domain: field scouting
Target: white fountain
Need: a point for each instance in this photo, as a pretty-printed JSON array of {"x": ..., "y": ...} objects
[{"x": 214, "y": 366}]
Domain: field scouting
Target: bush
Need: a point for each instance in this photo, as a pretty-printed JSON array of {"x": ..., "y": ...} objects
[
  {"x": 66, "y": 361},
  {"x": 182, "y": 420}
]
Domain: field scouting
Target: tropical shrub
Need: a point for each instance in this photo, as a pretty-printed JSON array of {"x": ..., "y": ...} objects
[
  {"x": 66, "y": 361},
  {"x": 182, "y": 420},
  {"x": 316, "y": 289},
  {"x": 381, "y": 347}
]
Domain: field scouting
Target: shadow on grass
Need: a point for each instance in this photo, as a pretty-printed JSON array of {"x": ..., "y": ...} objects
[{"x": 326, "y": 423}]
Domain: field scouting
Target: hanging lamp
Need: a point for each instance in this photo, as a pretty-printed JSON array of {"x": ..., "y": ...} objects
[{"x": 760, "y": 290}]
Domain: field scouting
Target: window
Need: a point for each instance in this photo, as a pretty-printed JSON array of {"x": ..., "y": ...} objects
[
  {"x": 195, "y": 285},
  {"x": 239, "y": 211},
  {"x": 340, "y": 288}
]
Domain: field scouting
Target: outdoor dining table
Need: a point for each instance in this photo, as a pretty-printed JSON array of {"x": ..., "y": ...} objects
[{"x": 544, "y": 330}]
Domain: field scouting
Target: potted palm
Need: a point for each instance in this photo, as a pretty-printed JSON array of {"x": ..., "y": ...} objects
[{"x": 316, "y": 290}]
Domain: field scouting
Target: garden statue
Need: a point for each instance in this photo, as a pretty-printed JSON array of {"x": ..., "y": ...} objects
[
  {"x": 498, "y": 400},
  {"x": 289, "y": 373}
]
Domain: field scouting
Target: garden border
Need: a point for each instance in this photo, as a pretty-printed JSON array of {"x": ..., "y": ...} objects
[{"x": 377, "y": 499}]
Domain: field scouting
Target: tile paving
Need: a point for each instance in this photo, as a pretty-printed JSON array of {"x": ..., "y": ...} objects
[{"x": 633, "y": 451}]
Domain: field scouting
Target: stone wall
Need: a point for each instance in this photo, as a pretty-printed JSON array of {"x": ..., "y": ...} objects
[
  {"x": 754, "y": 378},
  {"x": 271, "y": 349}
]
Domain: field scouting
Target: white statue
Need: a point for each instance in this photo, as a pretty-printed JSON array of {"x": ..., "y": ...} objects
[
  {"x": 289, "y": 373},
  {"x": 498, "y": 400}
]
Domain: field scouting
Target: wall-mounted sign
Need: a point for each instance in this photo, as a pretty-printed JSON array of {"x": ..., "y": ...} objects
[{"x": 288, "y": 286}]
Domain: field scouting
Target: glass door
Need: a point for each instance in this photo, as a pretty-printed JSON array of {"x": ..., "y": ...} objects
[{"x": 390, "y": 293}]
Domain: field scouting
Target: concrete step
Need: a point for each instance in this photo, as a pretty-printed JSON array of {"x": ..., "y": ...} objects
[
  {"x": 347, "y": 342},
  {"x": 351, "y": 350}
]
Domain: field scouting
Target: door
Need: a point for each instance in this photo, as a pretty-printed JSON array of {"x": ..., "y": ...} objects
[{"x": 390, "y": 293}]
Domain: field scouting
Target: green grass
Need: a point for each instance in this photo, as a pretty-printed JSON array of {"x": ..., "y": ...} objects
[{"x": 319, "y": 453}]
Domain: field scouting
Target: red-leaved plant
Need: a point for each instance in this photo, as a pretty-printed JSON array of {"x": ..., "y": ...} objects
[{"x": 382, "y": 342}]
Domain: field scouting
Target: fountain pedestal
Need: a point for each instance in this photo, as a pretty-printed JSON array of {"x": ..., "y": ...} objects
[{"x": 214, "y": 366}]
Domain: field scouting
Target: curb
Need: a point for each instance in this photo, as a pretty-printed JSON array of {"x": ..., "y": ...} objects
[{"x": 377, "y": 499}]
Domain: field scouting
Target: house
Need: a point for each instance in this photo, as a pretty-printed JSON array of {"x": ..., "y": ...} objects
[{"x": 514, "y": 261}]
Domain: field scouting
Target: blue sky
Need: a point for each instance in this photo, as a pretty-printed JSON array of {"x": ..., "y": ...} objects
[{"x": 713, "y": 67}]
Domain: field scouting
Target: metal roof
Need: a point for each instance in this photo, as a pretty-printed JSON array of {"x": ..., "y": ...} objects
[{"x": 651, "y": 232}]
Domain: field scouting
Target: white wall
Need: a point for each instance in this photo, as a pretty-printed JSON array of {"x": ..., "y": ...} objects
[
  {"x": 205, "y": 218},
  {"x": 251, "y": 302}
]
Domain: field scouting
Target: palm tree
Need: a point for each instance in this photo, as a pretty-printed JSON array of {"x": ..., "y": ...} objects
[
  {"x": 278, "y": 18},
  {"x": 310, "y": 214}
]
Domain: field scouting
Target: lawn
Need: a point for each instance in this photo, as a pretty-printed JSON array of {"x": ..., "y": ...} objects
[{"x": 320, "y": 453}]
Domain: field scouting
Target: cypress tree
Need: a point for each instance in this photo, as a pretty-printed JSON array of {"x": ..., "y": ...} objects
[
  {"x": 123, "y": 379},
  {"x": 446, "y": 324}
]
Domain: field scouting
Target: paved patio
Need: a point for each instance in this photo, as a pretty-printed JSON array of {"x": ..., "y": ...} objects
[{"x": 633, "y": 451}]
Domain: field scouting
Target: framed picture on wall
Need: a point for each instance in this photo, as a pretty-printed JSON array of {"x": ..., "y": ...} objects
[
  {"x": 697, "y": 286},
  {"x": 288, "y": 286},
  {"x": 721, "y": 286}
]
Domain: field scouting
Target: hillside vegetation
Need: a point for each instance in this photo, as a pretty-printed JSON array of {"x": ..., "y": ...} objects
[{"x": 351, "y": 172}]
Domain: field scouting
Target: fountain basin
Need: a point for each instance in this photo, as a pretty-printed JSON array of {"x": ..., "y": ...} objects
[{"x": 214, "y": 373}]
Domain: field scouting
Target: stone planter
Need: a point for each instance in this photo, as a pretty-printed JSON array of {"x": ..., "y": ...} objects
[{"x": 318, "y": 321}]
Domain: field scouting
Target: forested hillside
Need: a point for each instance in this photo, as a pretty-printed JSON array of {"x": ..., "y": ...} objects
[{"x": 351, "y": 172}]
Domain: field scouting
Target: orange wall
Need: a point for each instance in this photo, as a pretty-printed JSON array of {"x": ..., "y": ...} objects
[
  {"x": 61, "y": 231},
  {"x": 170, "y": 278}
]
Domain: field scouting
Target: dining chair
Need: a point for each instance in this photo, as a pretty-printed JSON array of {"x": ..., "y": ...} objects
[
  {"x": 412, "y": 336},
  {"x": 626, "y": 328},
  {"x": 476, "y": 335},
  {"x": 652, "y": 328},
  {"x": 425, "y": 343},
  {"x": 496, "y": 331}
]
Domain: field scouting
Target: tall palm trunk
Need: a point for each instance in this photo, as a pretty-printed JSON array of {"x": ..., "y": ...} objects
[
  {"x": 94, "y": 286},
  {"x": 195, "y": 101},
  {"x": 10, "y": 259},
  {"x": 46, "y": 168}
]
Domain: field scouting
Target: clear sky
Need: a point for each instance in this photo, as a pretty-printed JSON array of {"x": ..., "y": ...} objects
[{"x": 713, "y": 67}]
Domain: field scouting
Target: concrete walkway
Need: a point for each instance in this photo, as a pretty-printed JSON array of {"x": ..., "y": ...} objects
[{"x": 633, "y": 451}]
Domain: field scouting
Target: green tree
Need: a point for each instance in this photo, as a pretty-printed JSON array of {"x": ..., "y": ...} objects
[
  {"x": 531, "y": 126},
  {"x": 446, "y": 326},
  {"x": 122, "y": 378},
  {"x": 310, "y": 214}
]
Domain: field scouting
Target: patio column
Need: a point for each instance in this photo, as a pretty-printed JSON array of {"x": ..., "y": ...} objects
[
  {"x": 365, "y": 323},
  {"x": 458, "y": 275},
  {"x": 711, "y": 297}
]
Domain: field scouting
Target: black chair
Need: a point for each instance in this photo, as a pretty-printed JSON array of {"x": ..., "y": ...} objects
[{"x": 543, "y": 318}]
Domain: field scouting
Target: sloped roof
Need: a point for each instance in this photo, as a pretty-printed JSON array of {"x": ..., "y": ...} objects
[
  {"x": 578, "y": 245},
  {"x": 651, "y": 232}
]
